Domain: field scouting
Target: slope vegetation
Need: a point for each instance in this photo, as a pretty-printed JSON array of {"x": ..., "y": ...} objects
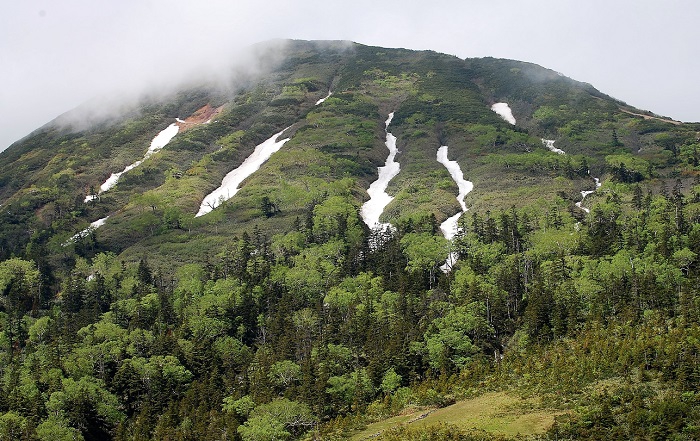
[{"x": 280, "y": 314}]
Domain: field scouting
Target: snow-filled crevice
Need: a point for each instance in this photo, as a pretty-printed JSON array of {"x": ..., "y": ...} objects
[
  {"x": 585, "y": 193},
  {"x": 503, "y": 110},
  {"x": 378, "y": 198},
  {"x": 160, "y": 141},
  {"x": 450, "y": 227},
  {"x": 84, "y": 233},
  {"x": 231, "y": 182},
  {"x": 324, "y": 98},
  {"x": 549, "y": 143}
]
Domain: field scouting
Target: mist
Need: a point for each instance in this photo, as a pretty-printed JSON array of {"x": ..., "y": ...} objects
[
  {"x": 57, "y": 55},
  {"x": 223, "y": 78}
]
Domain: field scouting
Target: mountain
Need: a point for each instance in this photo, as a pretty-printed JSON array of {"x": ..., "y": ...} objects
[
  {"x": 351, "y": 173},
  {"x": 437, "y": 100}
]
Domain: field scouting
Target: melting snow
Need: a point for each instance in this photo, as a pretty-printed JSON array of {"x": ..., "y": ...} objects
[
  {"x": 452, "y": 258},
  {"x": 324, "y": 99},
  {"x": 456, "y": 172},
  {"x": 84, "y": 233},
  {"x": 230, "y": 184},
  {"x": 160, "y": 141},
  {"x": 503, "y": 110},
  {"x": 449, "y": 227},
  {"x": 378, "y": 198},
  {"x": 586, "y": 193},
  {"x": 549, "y": 143}
]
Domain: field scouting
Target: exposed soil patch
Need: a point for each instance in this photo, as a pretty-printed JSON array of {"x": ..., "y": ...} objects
[
  {"x": 201, "y": 116},
  {"x": 653, "y": 117}
]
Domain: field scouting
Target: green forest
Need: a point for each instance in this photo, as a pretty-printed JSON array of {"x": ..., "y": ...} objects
[{"x": 281, "y": 316}]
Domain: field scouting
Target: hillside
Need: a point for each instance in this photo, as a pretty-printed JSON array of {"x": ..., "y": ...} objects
[{"x": 264, "y": 257}]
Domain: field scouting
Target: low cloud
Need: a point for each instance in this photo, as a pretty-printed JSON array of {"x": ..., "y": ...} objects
[
  {"x": 57, "y": 55},
  {"x": 219, "y": 75}
]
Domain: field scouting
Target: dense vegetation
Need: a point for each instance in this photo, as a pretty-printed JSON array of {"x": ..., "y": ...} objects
[{"x": 280, "y": 315}]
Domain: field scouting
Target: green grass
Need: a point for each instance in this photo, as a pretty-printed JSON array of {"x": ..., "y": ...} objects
[{"x": 495, "y": 412}]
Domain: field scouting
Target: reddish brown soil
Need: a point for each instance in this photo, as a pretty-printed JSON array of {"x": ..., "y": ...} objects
[{"x": 201, "y": 116}]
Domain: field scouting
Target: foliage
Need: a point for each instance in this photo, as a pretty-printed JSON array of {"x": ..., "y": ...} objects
[{"x": 281, "y": 315}]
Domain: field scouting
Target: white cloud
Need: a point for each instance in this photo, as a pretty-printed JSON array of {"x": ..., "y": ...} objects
[{"x": 58, "y": 54}]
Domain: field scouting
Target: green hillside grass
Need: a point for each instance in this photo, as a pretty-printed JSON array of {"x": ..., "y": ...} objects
[{"x": 497, "y": 413}]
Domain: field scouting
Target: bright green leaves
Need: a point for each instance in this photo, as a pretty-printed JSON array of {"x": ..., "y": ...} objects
[
  {"x": 102, "y": 344},
  {"x": 18, "y": 271},
  {"x": 57, "y": 429},
  {"x": 628, "y": 168},
  {"x": 425, "y": 252},
  {"x": 277, "y": 420},
  {"x": 390, "y": 381},
  {"x": 350, "y": 388},
  {"x": 353, "y": 292},
  {"x": 19, "y": 285},
  {"x": 448, "y": 342},
  {"x": 336, "y": 217},
  {"x": 284, "y": 373},
  {"x": 242, "y": 406},
  {"x": 87, "y": 406}
]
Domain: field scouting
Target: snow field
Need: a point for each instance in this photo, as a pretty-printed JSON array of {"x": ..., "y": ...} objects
[
  {"x": 93, "y": 226},
  {"x": 324, "y": 99},
  {"x": 585, "y": 193}
]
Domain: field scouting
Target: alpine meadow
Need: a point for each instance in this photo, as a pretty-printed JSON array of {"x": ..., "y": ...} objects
[{"x": 353, "y": 242}]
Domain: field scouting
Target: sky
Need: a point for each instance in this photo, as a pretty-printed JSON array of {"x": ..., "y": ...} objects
[{"x": 57, "y": 54}]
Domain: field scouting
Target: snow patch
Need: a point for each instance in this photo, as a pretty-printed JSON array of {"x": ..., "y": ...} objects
[
  {"x": 549, "y": 143},
  {"x": 160, "y": 141},
  {"x": 378, "y": 198},
  {"x": 113, "y": 179},
  {"x": 450, "y": 227},
  {"x": 503, "y": 110},
  {"x": 324, "y": 99},
  {"x": 456, "y": 172},
  {"x": 452, "y": 258},
  {"x": 84, "y": 233},
  {"x": 585, "y": 193},
  {"x": 230, "y": 184}
]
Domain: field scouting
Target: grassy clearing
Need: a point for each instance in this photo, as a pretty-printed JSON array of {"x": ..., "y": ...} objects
[{"x": 495, "y": 412}]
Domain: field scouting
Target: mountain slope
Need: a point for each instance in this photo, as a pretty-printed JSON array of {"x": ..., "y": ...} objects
[
  {"x": 437, "y": 99},
  {"x": 280, "y": 313}
]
